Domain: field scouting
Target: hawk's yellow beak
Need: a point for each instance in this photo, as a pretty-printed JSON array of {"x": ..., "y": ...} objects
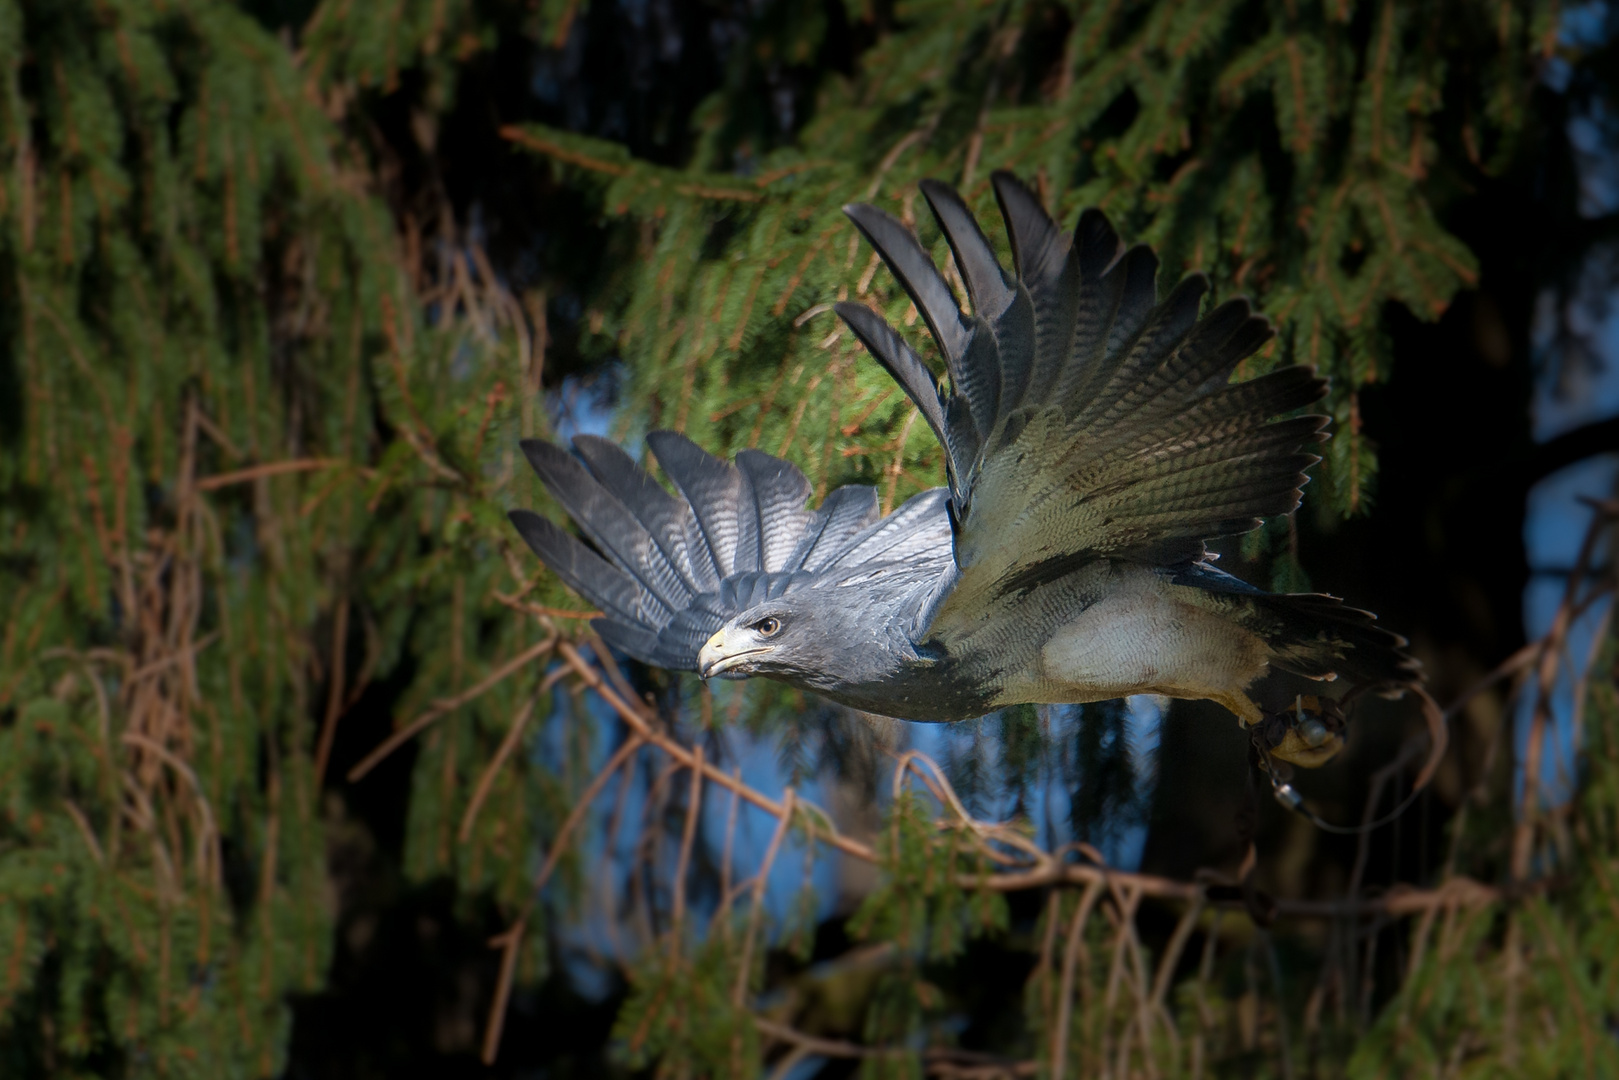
[{"x": 720, "y": 654}]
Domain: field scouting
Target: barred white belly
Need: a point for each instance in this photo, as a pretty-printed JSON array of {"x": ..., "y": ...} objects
[{"x": 1141, "y": 638}]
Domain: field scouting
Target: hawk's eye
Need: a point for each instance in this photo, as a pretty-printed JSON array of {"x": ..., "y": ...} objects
[{"x": 768, "y": 627}]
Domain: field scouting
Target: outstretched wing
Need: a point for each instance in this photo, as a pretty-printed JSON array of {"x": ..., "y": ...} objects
[
  {"x": 1085, "y": 418},
  {"x": 668, "y": 571}
]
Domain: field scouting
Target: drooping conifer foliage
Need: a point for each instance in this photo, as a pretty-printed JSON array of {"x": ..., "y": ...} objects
[
  {"x": 266, "y": 348},
  {"x": 216, "y": 427}
]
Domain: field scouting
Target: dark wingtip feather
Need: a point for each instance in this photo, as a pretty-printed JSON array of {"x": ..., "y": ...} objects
[
  {"x": 547, "y": 458},
  {"x": 519, "y": 518},
  {"x": 603, "y": 453},
  {"x": 761, "y": 467},
  {"x": 1287, "y": 388},
  {"x": 1316, "y": 386},
  {"x": 672, "y": 444},
  {"x": 637, "y": 642},
  {"x": 1098, "y": 244},
  {"x": 606, "y": 521},
  {"x": 1253, "y": 334},
  {"x": 779, "y": 492},
  {"x": 1189, "y": 290},
  {"x": 901, "y": 362},
  {"x": 628, "y": 482},
  {"x": 1218, "y": 325},
  {"x": 581, "y": 569},
  {"x": 916, "y": 273},
  {"x": 1037, "y": 243},
  {"x": 982, "y": 272},
  {"x": 1139, "y": 296},
  {"x": 1220, "y": 341}
]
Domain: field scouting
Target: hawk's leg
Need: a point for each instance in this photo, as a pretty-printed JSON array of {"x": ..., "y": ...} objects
[{"x": 1309, "y": 733}]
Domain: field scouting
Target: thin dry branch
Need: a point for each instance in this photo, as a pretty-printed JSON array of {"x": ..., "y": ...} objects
[
  {"x": 486, "y": 782},
  {"x": 939, "y": 1061},
  {"x": 694, "y": 806},
  {"x": 208, "y": 854},
  {"x": 508, "y": 943},
  {"x": 580, "y": 807},
  {"x": 642, "y": 724},
  {"x": 277, "y": 468},
  {"x": 1073, "y": 949},
  {"x": 450, "y": 704},
  {"x": 1172, "y": 952},
  {"x": 756, "y": 910},
  {"x": 83, "y": 825},
  {"x": 511, "y": 940},
  {"x": 1546, "y": 669},
  {"x": 335, "y": 691}
]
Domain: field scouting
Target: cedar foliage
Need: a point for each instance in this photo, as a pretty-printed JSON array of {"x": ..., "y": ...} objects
[{"x": 261, "y": 433}]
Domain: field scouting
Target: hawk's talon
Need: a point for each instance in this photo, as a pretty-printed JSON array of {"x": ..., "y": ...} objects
[{"x": 1309, "y": 734}]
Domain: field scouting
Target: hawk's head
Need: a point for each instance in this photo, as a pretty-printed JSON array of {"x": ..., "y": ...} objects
[
  {"x": 768, "y": 639},
  {"x": 831, "y": 636}
]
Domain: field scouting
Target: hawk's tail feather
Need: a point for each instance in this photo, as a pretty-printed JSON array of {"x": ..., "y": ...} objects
[{"x": 1319, "y": 636}]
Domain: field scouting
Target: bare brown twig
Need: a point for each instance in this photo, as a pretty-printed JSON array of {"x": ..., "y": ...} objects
[
  {"x": 275, "y": 468},
  {"x": 1546, "y": 669},
  {"x": 450, "y": 704},
  {"x": 514, "y": 735}
]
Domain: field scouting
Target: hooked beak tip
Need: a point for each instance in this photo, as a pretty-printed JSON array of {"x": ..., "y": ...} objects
[
  {"x": 710, "y": 656},
  {"x": 714, "y": 659}
]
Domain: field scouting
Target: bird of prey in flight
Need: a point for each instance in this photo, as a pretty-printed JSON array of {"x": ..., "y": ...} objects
[{"x": 1093, "y": 443}]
